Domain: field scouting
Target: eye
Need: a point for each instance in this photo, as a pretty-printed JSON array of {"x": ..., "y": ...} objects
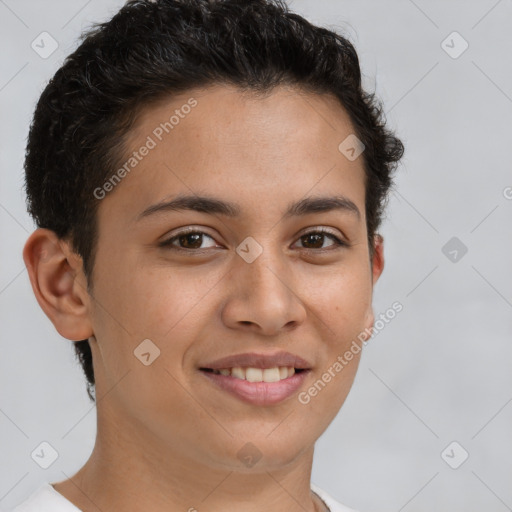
[
  {"x": 191, "y": 240},
  {"x": 188, "y": 240},
  {"x": 317, "y": 238}
]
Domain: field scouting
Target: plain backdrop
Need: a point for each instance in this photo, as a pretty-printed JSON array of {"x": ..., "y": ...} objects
[{"x": 434, "y": 385}]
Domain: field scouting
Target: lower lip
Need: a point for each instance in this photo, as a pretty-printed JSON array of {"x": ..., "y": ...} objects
[{"x": 259, "y": 393}]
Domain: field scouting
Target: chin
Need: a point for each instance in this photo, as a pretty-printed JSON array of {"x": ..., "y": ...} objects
[{"x": 259, "y": 452}]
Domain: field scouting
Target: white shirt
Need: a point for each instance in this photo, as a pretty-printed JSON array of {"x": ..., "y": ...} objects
[{"x": 46, "y": 499}]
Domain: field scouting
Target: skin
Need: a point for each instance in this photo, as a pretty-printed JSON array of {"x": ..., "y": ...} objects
[{"x": 167, "y": 438}]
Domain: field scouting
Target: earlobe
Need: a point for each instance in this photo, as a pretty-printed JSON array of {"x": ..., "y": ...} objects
[{"x": 58, "y": 282}]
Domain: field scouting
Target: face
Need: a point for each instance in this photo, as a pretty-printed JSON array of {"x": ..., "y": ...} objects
[{"x": 201, "y": 281}]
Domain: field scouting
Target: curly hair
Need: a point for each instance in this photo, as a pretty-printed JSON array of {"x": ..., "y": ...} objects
[{"x": 154, "y": 49}]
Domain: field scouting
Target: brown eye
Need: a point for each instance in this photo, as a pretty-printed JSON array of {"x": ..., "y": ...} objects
[
  {"x": 186, "y": 240},
  {"x": 190, "y": 240},
  {"x": 315, "y": 240}
]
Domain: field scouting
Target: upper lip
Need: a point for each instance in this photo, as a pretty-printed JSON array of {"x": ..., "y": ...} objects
[{"x": 259, "y": 360}]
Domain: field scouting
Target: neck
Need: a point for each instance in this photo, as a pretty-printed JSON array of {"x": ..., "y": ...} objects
[{"x": 134, "y": 470}]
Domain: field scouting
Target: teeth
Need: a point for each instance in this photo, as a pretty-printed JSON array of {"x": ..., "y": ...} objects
[
  {"x": 258, "y": 374},
  {"x": 254, "y": 374},
  {"x": 238, "y": 373},
  {"x": 270, "y": 375}
]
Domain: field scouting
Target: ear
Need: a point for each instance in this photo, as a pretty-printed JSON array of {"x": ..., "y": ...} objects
[
  {"x": 377, "y": 268},
  {"x": 59, "y": 284},
  {"x": 378, "y": 258}
]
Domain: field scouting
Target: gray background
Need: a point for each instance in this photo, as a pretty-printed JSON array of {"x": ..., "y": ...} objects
[{"x": 437, "y": 373}]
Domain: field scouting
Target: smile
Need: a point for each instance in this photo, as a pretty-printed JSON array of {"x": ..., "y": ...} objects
[{"x": 258, "y": 386}]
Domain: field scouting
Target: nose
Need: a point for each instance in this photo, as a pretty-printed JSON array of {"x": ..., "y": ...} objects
[{"x": 264, "y": 296}]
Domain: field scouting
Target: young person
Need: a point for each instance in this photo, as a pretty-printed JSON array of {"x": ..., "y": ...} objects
[{"x": 207, "y": 179}]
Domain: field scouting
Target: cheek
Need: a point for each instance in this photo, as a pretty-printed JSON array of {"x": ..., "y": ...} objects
[
  {"x": 325, "y": 395},
  {"x": 150, "y": 302},
  {"x": 341, "y": 297},
  {"x": 343, "y": 310},
  {"x": 176, "y": 302}
]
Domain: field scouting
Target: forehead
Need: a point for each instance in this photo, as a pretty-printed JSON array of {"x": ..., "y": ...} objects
[
  {"x": 257, "y": 150},
  {"x": 224, "y": 116}
]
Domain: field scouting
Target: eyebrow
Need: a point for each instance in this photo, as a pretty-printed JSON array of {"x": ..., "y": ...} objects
[{"x": 213, "y": 206}]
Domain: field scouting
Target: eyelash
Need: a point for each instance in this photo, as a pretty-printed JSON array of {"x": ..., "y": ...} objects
[{"x": 168, "y": 244}]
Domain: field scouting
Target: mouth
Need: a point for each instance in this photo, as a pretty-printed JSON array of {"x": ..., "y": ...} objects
[
  {"x": 261, "y": 387},
  {"x": 258, "y": 378}
]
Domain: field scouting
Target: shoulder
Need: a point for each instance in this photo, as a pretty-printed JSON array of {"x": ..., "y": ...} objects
[
  {"x": 45, "y": 499},
  {"x": 332, "y": 504}
]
